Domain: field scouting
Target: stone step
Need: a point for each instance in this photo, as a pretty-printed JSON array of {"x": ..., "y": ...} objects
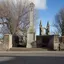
[{"x": 28, "y": 49}]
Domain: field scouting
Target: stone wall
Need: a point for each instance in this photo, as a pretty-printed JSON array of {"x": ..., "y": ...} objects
[
  {"x": 61, "y": 42},
  {"x": 7, "y": 41},
  {"x": 1, "y": 44},
  {"x": 48, "y": 41},
  {"x": 56, "y": 42},
  {"x": 44, "y": 41}
]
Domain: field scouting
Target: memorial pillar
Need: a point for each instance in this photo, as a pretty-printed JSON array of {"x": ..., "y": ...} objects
[{"x": 31, "y": 30}]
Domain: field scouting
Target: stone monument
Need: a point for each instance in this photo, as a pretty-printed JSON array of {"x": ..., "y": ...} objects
[{"x": 31, "y": 30}]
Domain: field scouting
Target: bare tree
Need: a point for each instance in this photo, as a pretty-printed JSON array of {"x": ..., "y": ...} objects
[
  {"x": 59, "y": 22},
  {"x": 16, "y": 13}
]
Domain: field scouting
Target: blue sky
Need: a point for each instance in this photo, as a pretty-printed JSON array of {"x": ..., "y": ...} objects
[
  {"x": 47, "y": 10},
  {"x": 48, "y": 14}
]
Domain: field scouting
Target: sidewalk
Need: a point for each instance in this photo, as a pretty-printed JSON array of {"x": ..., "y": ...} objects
[{"x": 32, "y": 53}]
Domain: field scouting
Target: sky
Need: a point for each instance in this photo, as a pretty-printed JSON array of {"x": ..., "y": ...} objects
[{"x": 48, "y": 11}]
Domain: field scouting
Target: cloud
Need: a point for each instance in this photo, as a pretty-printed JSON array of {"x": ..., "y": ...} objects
[{"x": 39, "y": 4}]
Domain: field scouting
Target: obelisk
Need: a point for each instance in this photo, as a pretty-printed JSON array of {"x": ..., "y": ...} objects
[{"x": 31, "y": 30}]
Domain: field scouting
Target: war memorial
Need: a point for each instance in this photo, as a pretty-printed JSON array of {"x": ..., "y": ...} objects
[{"x": 43, "y": 40}]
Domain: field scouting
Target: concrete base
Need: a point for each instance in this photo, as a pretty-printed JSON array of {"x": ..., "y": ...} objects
[{"x": 30, "y": 40}]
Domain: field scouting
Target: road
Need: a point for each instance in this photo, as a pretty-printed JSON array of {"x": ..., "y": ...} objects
[{"x": 32, "y": 57}]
